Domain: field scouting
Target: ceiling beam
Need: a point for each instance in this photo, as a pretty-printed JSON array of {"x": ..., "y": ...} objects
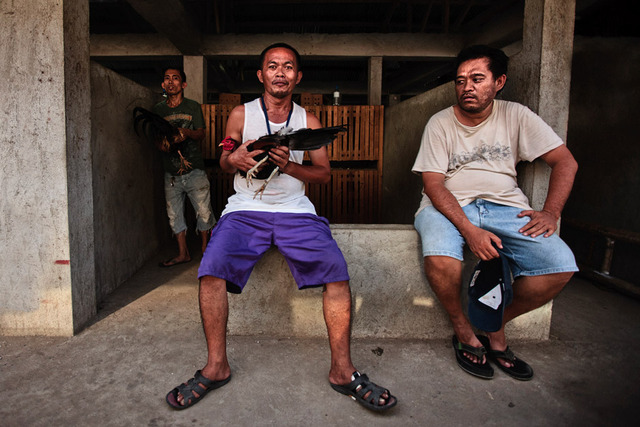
[
  {"x": 425, "y": 18},
  {"x": 504, "y": 29},
  {"x": 396, "y": 45},
  {"x": 462, "y": 16},
  {"x": 401, "y": 83},
  {"x": 170, "y": 19},
  {"x": 136, "y": 45}
]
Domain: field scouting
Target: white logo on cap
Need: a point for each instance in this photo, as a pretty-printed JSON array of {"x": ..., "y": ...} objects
[{"x": 493, "y": 298}]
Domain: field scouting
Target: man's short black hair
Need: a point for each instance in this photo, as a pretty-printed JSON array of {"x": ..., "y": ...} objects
[
  {"x": 498, "y": 60},
  {"x": 179, "y": 70},
  {"x": 282, "y": 45}
]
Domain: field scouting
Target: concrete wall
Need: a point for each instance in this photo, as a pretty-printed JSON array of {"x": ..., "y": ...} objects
[
  {"x": 390, "y": 294},
  {"x": 56, "y": 157},
  {"x": 404, "y": 124},
  {"x": 40, "y": 224},
  {"x": 129, "y": 214},
  {"x": 79, "y": 152},
  {"x": 603, "y": 135}
]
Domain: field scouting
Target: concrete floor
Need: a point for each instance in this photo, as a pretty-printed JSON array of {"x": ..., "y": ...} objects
[{"x": 147, "y": 339}]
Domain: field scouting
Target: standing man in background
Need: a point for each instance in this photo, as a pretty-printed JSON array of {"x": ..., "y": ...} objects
[{"x": 183, "y": 165}]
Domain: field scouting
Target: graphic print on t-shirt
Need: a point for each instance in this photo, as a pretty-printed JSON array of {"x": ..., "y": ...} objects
[{"x": 481, "y": 154}]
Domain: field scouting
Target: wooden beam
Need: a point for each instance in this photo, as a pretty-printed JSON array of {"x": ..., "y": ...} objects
[
  {"x": 446, "y": 16},
  {"x": 423, "y": 27},
  {"x": 462, "y": 16},
  {"x": 392, "y": 9},
  {"x": 170, "y": 19}
]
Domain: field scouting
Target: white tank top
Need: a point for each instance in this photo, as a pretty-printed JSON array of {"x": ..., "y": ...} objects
[{"x": 284, "y": 193}]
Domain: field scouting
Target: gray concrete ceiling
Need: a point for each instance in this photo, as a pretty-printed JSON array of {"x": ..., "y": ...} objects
[{"x": 416, "y": 38}]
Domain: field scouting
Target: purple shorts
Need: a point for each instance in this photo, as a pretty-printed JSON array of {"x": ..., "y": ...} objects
[{"x": 240, "y": 239}]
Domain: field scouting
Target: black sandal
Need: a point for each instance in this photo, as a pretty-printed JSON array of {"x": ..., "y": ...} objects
[
  {"x": 193, "y": 385},
  {"x": 358, "y": 389},
  {"x": 480, "y": 370},
  {"x": 520, "y": 369}
]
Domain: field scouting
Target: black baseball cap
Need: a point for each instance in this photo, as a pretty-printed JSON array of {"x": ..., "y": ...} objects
[{"x": 490, "y": 291}]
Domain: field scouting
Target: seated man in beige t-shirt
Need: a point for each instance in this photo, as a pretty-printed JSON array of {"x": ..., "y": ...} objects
[{"x": 467, "y": 159}]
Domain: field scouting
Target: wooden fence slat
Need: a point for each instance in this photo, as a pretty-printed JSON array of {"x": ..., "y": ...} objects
[
  {"x": 357, "y": 140},
  {"x": 380, "y": 143},
  {"x": 371, "y": 133}
]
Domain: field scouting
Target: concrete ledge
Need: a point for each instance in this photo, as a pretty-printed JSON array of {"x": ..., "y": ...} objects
[{"x": 391, "y": 296}]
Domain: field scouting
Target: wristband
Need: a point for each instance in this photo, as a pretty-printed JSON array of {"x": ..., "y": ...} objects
[{"x": 228, "y": 144}]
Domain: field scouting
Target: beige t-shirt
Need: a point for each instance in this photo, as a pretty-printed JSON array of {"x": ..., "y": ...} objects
[{"x": 479, "y": 162}]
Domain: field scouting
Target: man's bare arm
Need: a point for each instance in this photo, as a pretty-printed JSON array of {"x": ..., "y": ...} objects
[
  {"x": 563, "y": 171},
  {"x": 240, "y": 158},
  {"x": 481, "y": 242},
  {"x": 319, "y": 172}
]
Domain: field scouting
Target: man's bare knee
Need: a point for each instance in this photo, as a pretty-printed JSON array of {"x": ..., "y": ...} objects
[
  {"x": 442, "y": 268},
  {"x": 565, "y": 277},
  {"x": 212, "y": 283},
  {"x": 437, "y": 262},
  {"x": 336, "y": 288},
  {"x": 559, "y": 280},
  {"x": 553, "y": 280}
]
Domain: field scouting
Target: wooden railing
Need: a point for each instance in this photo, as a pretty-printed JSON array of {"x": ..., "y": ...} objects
[
  {"x": 603, "y": 254},
  {"x": 354, "y": 193}
]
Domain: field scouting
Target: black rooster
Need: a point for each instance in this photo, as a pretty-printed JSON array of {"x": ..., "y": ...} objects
[
  {"x": 302, "y": 139},
  {"x": 159, "y": 132}
]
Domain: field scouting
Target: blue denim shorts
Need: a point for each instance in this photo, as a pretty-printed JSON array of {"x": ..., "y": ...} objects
[
  {"x": 195, "y": 185},
  {"x": 528, "y": 256}
]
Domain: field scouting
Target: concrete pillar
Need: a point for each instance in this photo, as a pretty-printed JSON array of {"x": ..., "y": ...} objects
[
  {"x": 46, "y": 207},
  {"x": 540, "y": 77},
  {"x": 195, "y": 67},
  {"x": 375, "y": 80}
]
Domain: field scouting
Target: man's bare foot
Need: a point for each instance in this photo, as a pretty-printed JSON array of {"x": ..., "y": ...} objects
[
  {"x": 498, "y": 342},
  {"x": 205, "y": 235},
  {"x": 365, "y": 392},
  {"x": 507, "y": 361},
  {"x": 190, "y": 393},
  {"x": 465, "y": 335},
  {"x": 472, "y": 365},
  {"x": 175, "y": 261}
]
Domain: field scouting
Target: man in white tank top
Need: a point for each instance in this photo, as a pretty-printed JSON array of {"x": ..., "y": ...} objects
[{"x": 283, "y": 215}]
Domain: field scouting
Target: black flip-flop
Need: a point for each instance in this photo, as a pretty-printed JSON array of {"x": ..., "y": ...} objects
[
  {"x": 520, "y": 369},
  {"x": 360, "y": 386},
  {"x": 163, "y": 264},
  {"x": 187, "y": 389},
  {"x": 480, "y": 370}
]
